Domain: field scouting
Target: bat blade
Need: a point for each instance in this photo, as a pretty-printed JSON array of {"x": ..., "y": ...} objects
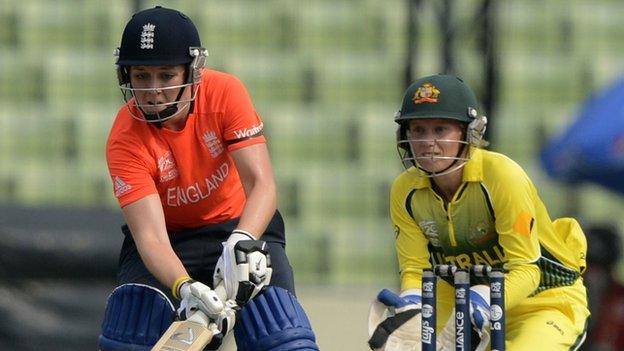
[{"x": 185, "y": 336}]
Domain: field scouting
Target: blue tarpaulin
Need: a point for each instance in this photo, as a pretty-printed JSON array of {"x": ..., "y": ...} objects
[{"x": 592, "y": 148}]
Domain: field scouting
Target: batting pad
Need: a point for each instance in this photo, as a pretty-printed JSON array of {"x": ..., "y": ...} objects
[
  {"x": 274, "y": 321},
  {"x": 136, "y": 316}
]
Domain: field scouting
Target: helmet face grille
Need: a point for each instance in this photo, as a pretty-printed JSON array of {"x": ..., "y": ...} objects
[
  {"x": 168, "y": 110},
  {"x": 158, "y": 36},
  {"x": 414, "y": 164}
]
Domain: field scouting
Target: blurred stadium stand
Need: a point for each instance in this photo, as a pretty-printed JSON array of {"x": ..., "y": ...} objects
[
  {"x": 326, "y": 76},
  {"x": 56, "y": 269}
]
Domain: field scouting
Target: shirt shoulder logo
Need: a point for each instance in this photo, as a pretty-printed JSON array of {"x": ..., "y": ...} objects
[{"x": 120, "y": 186}]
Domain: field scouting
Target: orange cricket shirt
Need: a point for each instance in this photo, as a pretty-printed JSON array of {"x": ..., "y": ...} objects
[{"x": 191, "y": 170}]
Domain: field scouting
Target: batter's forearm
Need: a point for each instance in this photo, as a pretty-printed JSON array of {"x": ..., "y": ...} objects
[
  {"x": 259, "y": 209},
  {"x": 162, "y": 262}
]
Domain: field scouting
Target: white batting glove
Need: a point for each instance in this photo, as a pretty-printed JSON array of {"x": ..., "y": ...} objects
[
  {"x": 198, "y": 296},
  {"x": 222, "y": 325},
  {"x": 203, "y": 305},
  {"x": 244, "y": 267}
]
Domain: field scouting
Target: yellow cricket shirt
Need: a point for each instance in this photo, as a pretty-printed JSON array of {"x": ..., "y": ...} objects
[{"x": 496, "y": 218}]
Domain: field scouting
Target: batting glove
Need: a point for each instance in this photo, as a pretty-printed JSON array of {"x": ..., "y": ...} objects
[
  {"x": 198, "y": 296},
  {"x": 244, "y": 267},
  {"x": 224, "y": 323},
  {"x": 217, "y": 315}
]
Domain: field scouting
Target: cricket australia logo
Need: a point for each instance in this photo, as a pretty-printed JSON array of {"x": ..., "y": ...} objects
[
  {"x": 167, "y": 167},
  {"x": 480, "y": 234},
  {"x": 213, "y": 144},
  {"x": 426, "y": 93},
  {"x": 120, "y": 186},
  {"x": 147, "y": 36},
  {"x": 430, "y": 229}
]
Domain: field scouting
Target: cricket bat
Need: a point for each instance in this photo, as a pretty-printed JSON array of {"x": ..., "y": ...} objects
[{"x": 192, "y": 334}]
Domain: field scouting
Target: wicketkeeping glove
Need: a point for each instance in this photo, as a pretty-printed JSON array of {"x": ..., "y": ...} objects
[
  {"x": 244, "y": 267},
  {"x": 480, "y": 313},
  {"x": 394, "y": 322},
  {"x": 479, "y": 318}
]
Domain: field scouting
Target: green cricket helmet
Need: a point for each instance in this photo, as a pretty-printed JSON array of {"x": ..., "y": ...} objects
[
  {"x": 439, "y": 96},
  {"x": 444, "y": 97}
]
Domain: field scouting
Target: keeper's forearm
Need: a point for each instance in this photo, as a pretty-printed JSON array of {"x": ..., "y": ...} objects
[{"x": 520, "y": 282}]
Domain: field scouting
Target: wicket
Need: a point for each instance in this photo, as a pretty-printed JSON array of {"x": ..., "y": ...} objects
[{"x": 461, "y": 282}]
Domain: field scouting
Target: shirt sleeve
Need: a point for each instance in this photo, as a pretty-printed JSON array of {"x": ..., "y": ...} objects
[
  {"x": 411, "y": 244},
  {"x": 242, "y": 124},
  {"x": 130, "y": 173},
  {"x": 514, "y": 206}
]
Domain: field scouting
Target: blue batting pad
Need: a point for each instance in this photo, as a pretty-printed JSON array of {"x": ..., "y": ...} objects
[
  {"x": 274, "y": 321},
  {"x": 135, "y": 318}
]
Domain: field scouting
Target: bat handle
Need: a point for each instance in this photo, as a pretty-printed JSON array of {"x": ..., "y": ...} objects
[{"x": 199, "y": 317}]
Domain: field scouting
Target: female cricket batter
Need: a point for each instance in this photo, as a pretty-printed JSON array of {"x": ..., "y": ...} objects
[
  {"x": 192, "y": 174},
  {"x": 459, "y": 204}
]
